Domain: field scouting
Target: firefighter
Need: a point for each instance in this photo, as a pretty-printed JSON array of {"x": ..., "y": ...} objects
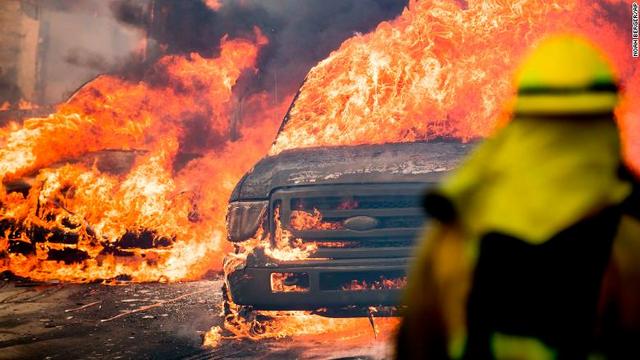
[{"x": 513, "y": 264}]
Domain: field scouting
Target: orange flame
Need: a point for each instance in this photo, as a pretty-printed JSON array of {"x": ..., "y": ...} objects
[
  {"x": 284, "y": 247},
  {"x": 436, "y": 70},
  {"x": 440, "y": 71},
  {"x": 287, "y": 246},
  {"x": 279, "y": 283},
  {"x": 155, "y": 220},
  {"x": 26, "y": 105},
  {"x": 301, "y": 220},
  {"x": 302, "y": 326},
  {"x": 21, "y": 105}
]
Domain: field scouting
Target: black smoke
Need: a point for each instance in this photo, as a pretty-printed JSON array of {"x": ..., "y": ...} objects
[{"x": 300, "y": 32}]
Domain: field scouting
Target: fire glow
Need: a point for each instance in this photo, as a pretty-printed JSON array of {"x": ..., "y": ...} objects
[
  {"x": 162, "y": 217},
  {"x": 283, "y": 247},
  {"x": 301, "y": 220},
  {"x": 435, "y": 71},
  {"x": 302, "y": 325},
  {"x": 429, "y": 73}
]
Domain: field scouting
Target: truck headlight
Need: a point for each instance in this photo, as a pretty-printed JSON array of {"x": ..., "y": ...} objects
[{"x": 244, "y": 219}]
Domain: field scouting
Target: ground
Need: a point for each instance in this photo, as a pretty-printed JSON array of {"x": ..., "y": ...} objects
[{"x": 146, "y": 321}]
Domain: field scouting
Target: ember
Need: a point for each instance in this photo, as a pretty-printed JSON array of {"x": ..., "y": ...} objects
[
  {"x": 348, "y": 204},
  {"x": 336, "y": 244}
]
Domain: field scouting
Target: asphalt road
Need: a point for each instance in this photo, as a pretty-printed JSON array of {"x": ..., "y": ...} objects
[{"x": 149, "y": 321}]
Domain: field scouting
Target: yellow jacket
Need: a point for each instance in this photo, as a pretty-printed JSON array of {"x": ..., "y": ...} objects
[{"x": 535, "y": 178}]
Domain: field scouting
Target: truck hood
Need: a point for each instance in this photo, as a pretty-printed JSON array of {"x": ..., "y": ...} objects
[{"x": 383, "y": 163}]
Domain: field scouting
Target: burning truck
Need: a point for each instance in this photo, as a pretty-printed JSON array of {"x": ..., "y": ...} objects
[
  {"x": 331, "y": 229},
  {"x": 327, "y": 221}
]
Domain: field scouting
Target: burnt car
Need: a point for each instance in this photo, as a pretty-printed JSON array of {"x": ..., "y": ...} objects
[{"x": 361, "y": 210}]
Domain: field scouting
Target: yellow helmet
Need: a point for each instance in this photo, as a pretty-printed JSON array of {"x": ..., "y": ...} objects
[{"x": 566, "y": 76}]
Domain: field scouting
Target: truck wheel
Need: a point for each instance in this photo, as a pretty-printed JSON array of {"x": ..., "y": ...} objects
[{"x": 234, "y": 314}]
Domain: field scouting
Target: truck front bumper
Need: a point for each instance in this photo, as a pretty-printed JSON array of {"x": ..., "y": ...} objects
[{"x": 252, "y": 284}]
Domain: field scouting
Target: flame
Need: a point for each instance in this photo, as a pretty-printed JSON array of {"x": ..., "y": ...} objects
[
  {"x": 440, "y": 71},
  {"x": 212, "y": 337},
  {"x": 160, "y": 218},
  {"x": 279, "y": 283},
  {"x": 22, "y": 104},
  {"x": 26, "y": 105},
  {"x": 287, "y": 246},
  {"x": 436, "y": 70},
  {"x": 336, "y": 244},
  {"x": 284, "y": 247},
  {"x": 301, "y": 326},
  {"x": 301, "y": 220}
]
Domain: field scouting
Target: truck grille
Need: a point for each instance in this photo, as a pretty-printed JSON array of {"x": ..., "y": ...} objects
[{"x": 353, "y": 216}]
